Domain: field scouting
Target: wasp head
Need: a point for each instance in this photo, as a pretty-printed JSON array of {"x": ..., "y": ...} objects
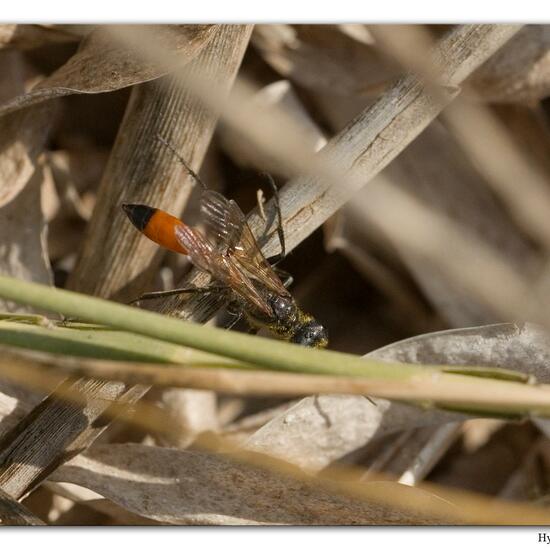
[{"x": 311, "y": 334}]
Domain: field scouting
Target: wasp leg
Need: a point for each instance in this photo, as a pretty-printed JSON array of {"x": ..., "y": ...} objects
[
  {"x": 285, "y": 276},
  {"x": 274, "y": 260},
  {"x": 176, "y": 291},
  {"x": 237, "y": 314}
]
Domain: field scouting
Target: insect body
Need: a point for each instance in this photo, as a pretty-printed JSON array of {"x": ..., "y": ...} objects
[{"x": 231, "y": 255}]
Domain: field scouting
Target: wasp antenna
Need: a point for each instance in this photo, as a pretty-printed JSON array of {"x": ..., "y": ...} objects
[{"x": 182, "y": 161}]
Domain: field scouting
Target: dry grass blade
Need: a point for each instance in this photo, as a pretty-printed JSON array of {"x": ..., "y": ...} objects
[
  {"x": 324, "y": 58},
  {"x": 519, "y": 72},
  {"x": 435, "y": 170},
  {"x": 142, "y": 170},
  {"x": 279, "y": 95},
  {"x": 23, "y": 134},
  {"x": 24, "y": 459},
  {"x": 420, "y": 459},
  {"x": 133, "y": 477},
  {"x": 31, "y": 36},
  {"x": 493, "y": 150},
  {"x": 101, "y": 66},
  {"x": 382, "y": 131},
  {"x": 448, "y": 247},
  {"x": 216, "y": 490},
  {"x": 23, "y": 249},
  {"x": 367, "y": 145},
  {"x": 319, "y": 430},
  {"x": 13, "y": 513}
]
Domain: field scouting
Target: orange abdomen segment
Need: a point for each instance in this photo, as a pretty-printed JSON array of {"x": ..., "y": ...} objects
[{"x": 161, "y": 229}]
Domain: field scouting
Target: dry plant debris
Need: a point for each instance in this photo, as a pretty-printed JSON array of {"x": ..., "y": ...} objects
[{"x": 415, "y": 237}]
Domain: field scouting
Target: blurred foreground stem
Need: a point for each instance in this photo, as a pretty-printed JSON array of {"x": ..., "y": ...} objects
[{"x": 427, "y": 385}]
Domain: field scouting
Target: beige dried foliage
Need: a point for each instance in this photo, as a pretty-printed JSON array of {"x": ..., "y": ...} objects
[
  {"x": 279, "y": 95},
  {"x": 23, "y": 134},
  {"x": 75, "y": 175},
  {"x": 490, "y": 145},
  {"x": 531, "y": 480},
  {"x": 411, "y": 454},
  {"x": 23, "y": 37},
  {"x": 435, "y": 170},
  {"x": 324, "y": 57},
  {"x": 491, "y": 467},
  {"x": 192, "y": 412},
  {"x": 103, "y": 66},
  {"x": 184, "y": 487},
  {"x": 23, "y": 247},
  {"x": 151, "y": 484},
  {"x": 519, "y": 72},
  {"x": 16, "y": 401},
  {"x": 321, "y": 429}
]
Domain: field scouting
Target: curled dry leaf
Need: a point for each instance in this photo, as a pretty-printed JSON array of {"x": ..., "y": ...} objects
[
  {"x": 23, "y": 133},
  {"x": 23, "y": 248},
  {"x": 182, "y": 487},
  {"x": 320, "y": 430},
  {"x": 103, "y": 65},
  {"x": 322, "y": 57},
  {"x": 25, "y": 37},
  {"x": 518, "y": 72}
]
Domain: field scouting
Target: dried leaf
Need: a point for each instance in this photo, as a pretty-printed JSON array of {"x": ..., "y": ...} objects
[
  {"x": 435, "y": 170},
  {"x": 183, "y": 487},
  {"x": 322, "y": 57},
  {"x": 15, "y": 403},
  {"x": 531, "y": 481},
  {"x": 23, "y": 250},
  {"x": 23, "y": 134},
  {"x": 412, "y": 455},
  {"x": 489, "y": 469},
  {"x": 25, "y": 37},
  {"x": 321, "y": 429},
  {"x": 280, "y": 95},
  {"x": 102, "y": 65},
  {"x": 85, "y": 499},
  {"x": 518, "y": 72},
  {"x": 193, "y": 411}
]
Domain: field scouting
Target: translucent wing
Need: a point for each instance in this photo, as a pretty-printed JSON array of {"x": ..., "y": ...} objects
[
  {"x": 208, "y": 257},
  {"x": 199, "y": 307},
  {"x": 223, "y": 219},
  {"x": 227, "y": 223}
]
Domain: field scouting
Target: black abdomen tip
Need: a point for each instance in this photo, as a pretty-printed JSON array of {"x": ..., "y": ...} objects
[{"x": 139, "y": 214}]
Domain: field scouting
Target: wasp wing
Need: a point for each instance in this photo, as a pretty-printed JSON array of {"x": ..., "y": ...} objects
[
  {"x": 227, "y": 223},
  {"x": 198, "y": 307},
  {"x": 208, "y": 257}
]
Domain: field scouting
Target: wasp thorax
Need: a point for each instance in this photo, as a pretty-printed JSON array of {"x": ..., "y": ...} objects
[{"x": 284, "y": 309}]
